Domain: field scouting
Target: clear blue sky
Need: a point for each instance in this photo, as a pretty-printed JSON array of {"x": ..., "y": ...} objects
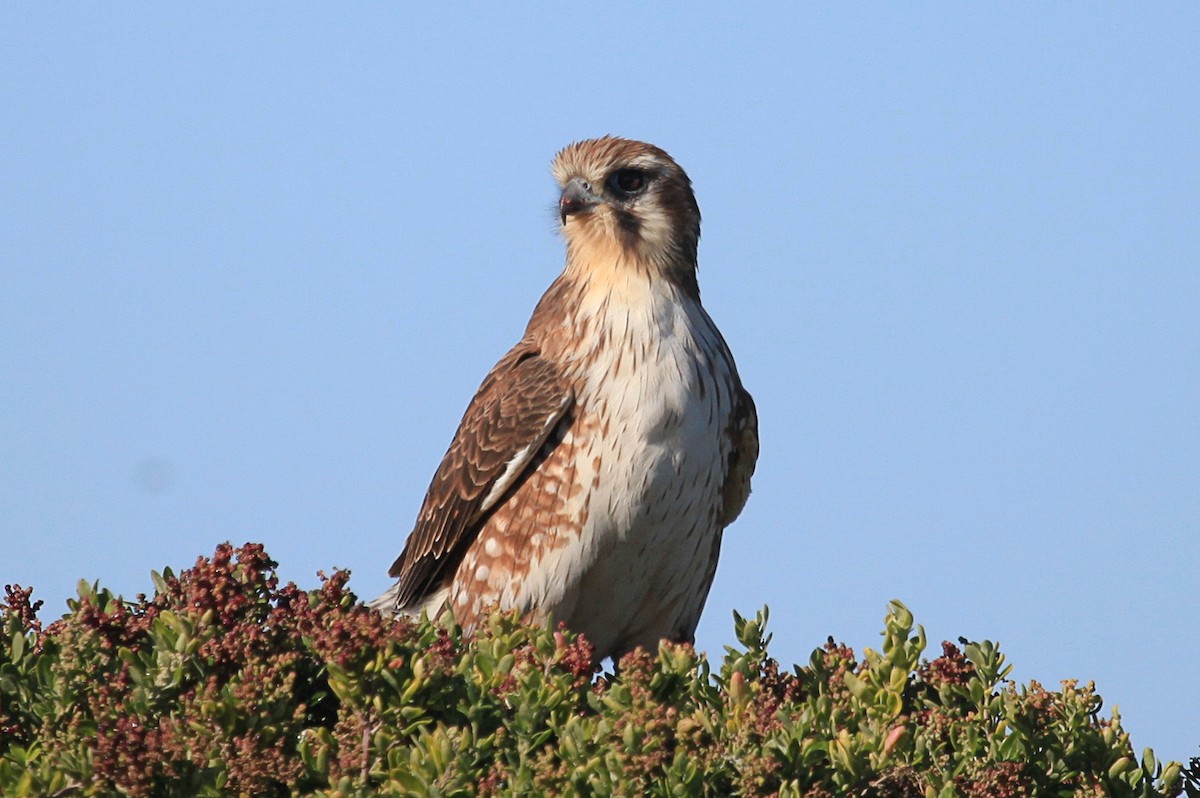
[{"x": 254, "y": 260}]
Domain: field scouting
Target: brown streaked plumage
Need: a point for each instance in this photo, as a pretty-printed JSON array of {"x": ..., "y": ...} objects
[{"x": 594, "y": 471}]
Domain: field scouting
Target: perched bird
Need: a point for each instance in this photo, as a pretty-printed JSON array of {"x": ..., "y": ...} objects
[{"x": 595, "y": 470}]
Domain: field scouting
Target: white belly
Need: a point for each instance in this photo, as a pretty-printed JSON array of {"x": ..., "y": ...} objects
[{"x": 642, "y": 567}]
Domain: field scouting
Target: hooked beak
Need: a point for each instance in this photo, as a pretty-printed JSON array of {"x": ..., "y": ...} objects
[{"x": 577, "y": 197}]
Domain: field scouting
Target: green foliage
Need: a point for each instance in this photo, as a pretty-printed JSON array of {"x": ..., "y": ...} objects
[{"x": 225, "y": 683}]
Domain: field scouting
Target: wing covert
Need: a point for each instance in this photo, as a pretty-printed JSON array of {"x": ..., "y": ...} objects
[
  {"x": 743, "y": 431},
  {"x": 520, "y": 403}
]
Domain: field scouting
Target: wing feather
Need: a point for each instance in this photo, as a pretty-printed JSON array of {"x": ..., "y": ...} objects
[
  {"x": 743, "y": 430},
  {"x": 520, "y": 403}
]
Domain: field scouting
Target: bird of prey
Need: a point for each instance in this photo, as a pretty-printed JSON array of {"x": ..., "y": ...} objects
[{"x": 593, "y": 474}]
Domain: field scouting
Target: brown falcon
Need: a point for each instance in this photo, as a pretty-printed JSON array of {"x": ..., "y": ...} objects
[{"x": 593, "y": 473}]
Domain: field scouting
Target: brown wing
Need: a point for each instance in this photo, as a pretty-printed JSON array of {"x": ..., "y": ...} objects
[
  {"x": 519, "y": 404},
  {"x": 743, "y": 429}
]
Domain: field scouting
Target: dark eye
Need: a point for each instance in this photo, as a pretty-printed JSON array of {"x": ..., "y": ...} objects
[{"x": 627, "y": 181}]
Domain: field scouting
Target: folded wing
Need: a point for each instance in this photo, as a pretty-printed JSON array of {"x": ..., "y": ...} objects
[{"x": 498, "y": 444}]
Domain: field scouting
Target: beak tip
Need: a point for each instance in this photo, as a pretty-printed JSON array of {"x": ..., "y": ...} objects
[{"x": 577, "y": 197}]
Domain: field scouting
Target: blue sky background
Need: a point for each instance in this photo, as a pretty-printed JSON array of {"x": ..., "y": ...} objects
[{"x": 254, "y": 261}]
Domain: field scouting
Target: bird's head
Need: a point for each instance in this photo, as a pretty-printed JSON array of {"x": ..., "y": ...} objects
[{"x": 628, "y": 201}]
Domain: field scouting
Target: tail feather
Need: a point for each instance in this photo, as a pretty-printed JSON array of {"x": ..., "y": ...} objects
[{"x": 434, "y": 604}]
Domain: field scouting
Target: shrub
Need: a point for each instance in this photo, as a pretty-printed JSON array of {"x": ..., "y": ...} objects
[{"x": 226, "y": 683}]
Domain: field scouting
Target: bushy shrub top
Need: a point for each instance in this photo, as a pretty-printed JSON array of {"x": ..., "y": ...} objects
[{"x": 223, "y": 683}]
